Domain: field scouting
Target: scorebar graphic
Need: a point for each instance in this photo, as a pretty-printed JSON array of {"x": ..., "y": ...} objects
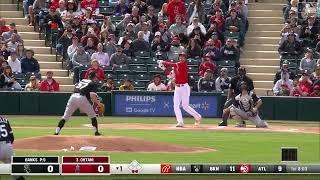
[{"x": 100, "y": 165}]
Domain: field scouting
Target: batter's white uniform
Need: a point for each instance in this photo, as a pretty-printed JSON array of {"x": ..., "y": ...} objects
[
  {"x": 78, "y": 101},
  {"x": 243, "y": 110}
]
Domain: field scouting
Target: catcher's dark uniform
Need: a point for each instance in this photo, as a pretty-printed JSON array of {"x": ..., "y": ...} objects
[
  {"x": 80, "y": 99},
  {"x": 6, "y": 140}
]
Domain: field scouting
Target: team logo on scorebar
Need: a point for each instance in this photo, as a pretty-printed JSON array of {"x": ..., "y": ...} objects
[
  {"x": 244, "y": 168},
  {"x": 166, "y": 168}
]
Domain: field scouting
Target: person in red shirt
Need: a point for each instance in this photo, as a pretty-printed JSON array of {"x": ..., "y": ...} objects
[
  {"x": 176, "y": 7},
  {"x": 206, "y": 64},
  {"x": 89, "y": 3},
  {"x": 99, "y": 71},
  {"x": 181, "y": 90},
  {"x": 305, "y": 84},
  {"x": 316, "y": 91},
  {"x": 3, "y": 26},
  {"x": 50, "y": 84},
  {"x": 218, "y": 18},
  {"x": 217, "y": 42}
]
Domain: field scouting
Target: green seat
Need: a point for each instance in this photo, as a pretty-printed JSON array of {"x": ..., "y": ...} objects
[
  {"x": 122, "y": 68},
  {"x": 142, "y": 54},
  {"x": 142, "y": 77},
  {"x": 139, "y": 84},
  {"x": 107, "y": 69},
  {"x": 192, "y": 61},
  {"x": 138, "y": 68},
  {"x": 152, "y": 61},
  {"x": 115, "y": 18},
  {"x": 104, "y": 3},
  {"x": 231, "y": 35},
  {"x": 118, "y": 83},
  {"x": 194, "y": 76},
  {"x": 106, "y": 10},
  {"x": 192, "y": 69},
  {"x": 225, "y": 63},
  {"x": 138, "y": 61},
  {"x": 154, "y": 69}
]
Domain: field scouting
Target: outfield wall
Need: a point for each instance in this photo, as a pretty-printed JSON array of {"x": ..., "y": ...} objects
[{"x": 141, "y": 103}]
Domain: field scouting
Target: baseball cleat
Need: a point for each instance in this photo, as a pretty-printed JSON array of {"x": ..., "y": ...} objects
[
  {"x": 197, "y": 122},
  {"x": 97, "y": 134},
  {"x": 179, "y": 125},
  {"x": 56, "y": 134},
  {"x": 223, "y": 123}
]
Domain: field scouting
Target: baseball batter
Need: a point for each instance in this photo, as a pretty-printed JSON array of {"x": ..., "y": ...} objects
[
  {"x": 182, "y": 90},
  {"x": 6, "y": 140},
  {"x": 82, "y": 98},
  {"x": 246, "y": 108}
]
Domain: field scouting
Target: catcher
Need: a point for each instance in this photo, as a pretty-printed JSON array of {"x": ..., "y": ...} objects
[
  {"x": 246, "y": 107},
  {"x": 83, "y": 98}
]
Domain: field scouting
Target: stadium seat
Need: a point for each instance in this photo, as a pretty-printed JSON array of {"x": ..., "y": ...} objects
[
  {"x": 142, "y": 54},
  {"x": 225, "y": 63},
  {"x": 107, "y": 69},
  {"x": 138, "y": 61},
  {"x": 193, "y": 69},
  {"x": 125, "y": 76},
  {"x": 103, "y": 3},
  {"x": 143, "y": 77},
  {"x": 232, "y": 35},
  {"x": 19, "y": 76},
  {"x": 138, "y": 69},
  {"x": 118, "y": 83},
  {"x": 154, "y": 69},
  {"x": 107, "y": 11},
  {"x": 192, "y": 61},
  {"x": 139, "y": 85},
  {"x": 122, "y": 69},
  {"x": 117, "y": 19},
  {"x": 152, "y": 61}
]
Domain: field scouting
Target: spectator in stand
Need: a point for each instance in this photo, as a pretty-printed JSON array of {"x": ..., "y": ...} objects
[
  {"x": 296, "y": 91},
  {"x": 70, "y": 13},
  {"x": 316, "y": 91},
  {"x": 165, "y": 34},
  {"x": 198, "y": 35},
  {"x": 147, "y": 35},
  {"x": 288, "y": 28},
  {"x": 13, "y": 43},
  {"x": 283, "y": 86},
  {"x": 195, "y": 23},
  {"x": 230, "y": 52},
  {"x": 175, "y": 48},
  {"x": 3, "y": 64},
  {"x": 308, "y": 63},
  {"x": 233, "y": 24},
  {"x": 33, "y": 84},
  {"x": 90, "y": 34},
  {"x": 49, "y": 84},
  {"x": 108, "y": 85},
  {"x": 110, "y": 45},
  {"x": 140, "y": 44},
  {"x": 4, "y": 51},
  {"x": 14, "y": 63},
  {"x": 72, "y": 49},
  {"x": 119, "y": 58},
  {"x": 158, "y": 44},
  {"x": 127, "y": 49},
  {"x": 108, "y": 25},
  {"x": 25, "y": 5},
  {"x": 223, "y": 81},
  {"x": 121, "y": 26},
  {"x": 7, "y": 80},
  {"x": 156, "y": 4},
  {"x": 178, "y": 29},
  {"x": 305, "y": 84},
  {"x": 284, "y": 69},
  {"x": 126, "y": 86},
  {"x": 20, "y": 51},
  {"x": 206, "y": 64},
  {"x": 3, "y": 26},
  {"x": 207, "y": 82},
  {"x": 62, "y": 6},
  {"x": 95, "y": 67},
  {"x": 142, "y": 6},
  {"x": 196, "y": 8},
  {"x": 316, "y": 76},
  {"x": 102, "y": 57},
  {"x": 212, "y": 51},
  {"x": 152, "y": 18},
  {"x": 242, "y": 10},
  {"x": 291, "y": 7},
  {"x": 310, "y": 30},
  {"x": 218, "y": 18},
  {"x": 216, "y": 40},
  {"x": 93, "y": 4},
  {"x": 156, "y": 84},
  {"x": 290, "y": 46},
  {"x": 53, "y": 18},
  {"x": 310, "y": 9},
  {"x": 135, "y": 16},
  {"x": 90, "y": 48},
  {"x": 79, "y": 60},
  {"x": 121, "y": 8},
  {"x": 35, "y": 9},
  {"x": 175, "y": 8},
  {"x": 164, "y": 11},
  {"x": 138, "y": 26},
  {"x": 194, "y": 49},
  {"x": 217, "y": 5},
  {"x": 12, "y": 30},
  {"x": 88, "y": 18},
  {"x": 65, "y": 41},
  {"x": 29, "y": 64},
  {"x": 130, "y": 32}
]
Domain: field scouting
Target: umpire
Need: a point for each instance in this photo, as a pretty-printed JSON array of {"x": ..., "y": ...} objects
[
  {"x": 6, "y": 140},
  {"x": 234, "y": 90}
]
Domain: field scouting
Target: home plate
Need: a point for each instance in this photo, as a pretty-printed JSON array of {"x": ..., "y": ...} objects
[{"x": 218, "y": 127}]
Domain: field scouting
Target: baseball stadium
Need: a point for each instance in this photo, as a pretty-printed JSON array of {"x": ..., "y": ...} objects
[{"x": 159, "y": 89}]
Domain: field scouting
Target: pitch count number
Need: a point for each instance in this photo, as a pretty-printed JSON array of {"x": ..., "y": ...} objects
[{"x": 100, "y": 169}]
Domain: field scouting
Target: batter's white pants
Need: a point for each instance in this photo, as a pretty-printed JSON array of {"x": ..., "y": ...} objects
[
  {"x": 240, "y": 115},
  {"x": 77, "y": 101},
  {"x": 6, "y": 151},
  {"x": 181, "y": 97}
]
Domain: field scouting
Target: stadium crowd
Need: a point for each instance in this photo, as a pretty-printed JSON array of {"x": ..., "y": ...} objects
[
  {"x": 121, "y": 40},
  {"x": 299, "y": 50}
]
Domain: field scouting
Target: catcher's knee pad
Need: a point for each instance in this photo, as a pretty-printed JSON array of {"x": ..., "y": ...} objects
[{"x": 232, "y": 111}]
